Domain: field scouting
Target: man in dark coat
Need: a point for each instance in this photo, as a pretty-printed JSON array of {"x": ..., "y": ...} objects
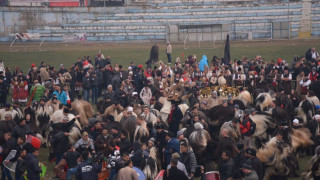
[
  {"x": 59, "y": 141},
  {"x": 188, "y": 158},
  {"x": 174, "y": 118},
  {"x": 32, "y": 165},
  {"x": 174, "y": 173},
  {"x": 3, "y": 92},
  {"x": 161, "y": 141},
  {"x": 227, "y": 167},
  {"x": 86, "y": 170},
  {"x": 6, "y": 126},
  {"x": 255, "y": 162},
  {"x": 173, "y": 146},
  {"x": 10, "y": 144},
  {"x": 104, "y": 143}
]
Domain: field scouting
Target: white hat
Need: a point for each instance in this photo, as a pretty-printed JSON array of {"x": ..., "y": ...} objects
[
  {"x": 317, "y": 116},
  {"x": 134, "y": 93},
  {"x": 130, "y": 109},
  {"x": 296, "y": 121}
]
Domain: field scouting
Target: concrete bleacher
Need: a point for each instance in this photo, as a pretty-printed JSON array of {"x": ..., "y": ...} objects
[{"x": 150, "y": 20}]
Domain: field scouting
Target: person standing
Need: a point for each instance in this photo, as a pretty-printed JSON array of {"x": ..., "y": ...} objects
[
  {"x": 173, "y": 146},
  {"x": 86, "y": 81},
  {"x": 227, "y": 167},
  {"x": 169, "y": 51},
  {"x": 61, "y": 95},
  {"x": 188, "y": 158},
  {"x": 86, "y": 170},
  {"x": 32, "y": 165}
]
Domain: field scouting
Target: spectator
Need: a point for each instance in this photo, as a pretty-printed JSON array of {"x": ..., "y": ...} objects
[
  {"x": 174, "y": 173},
  {"x": 104, "y": 143},
  {"x": 86, "y": 85},
  {"x": 86, "y": 170},
  {"x": 85, "y": 144},
  {"x": 188, "y": 158},
  {"x": 173, "y": 146},
  {"x": 61, "y": 95},
  {"x": 37, "y": 90},
  {"x": 32, "y": 165},
  {"x": 71, "y": 157},
  {"x": 227, "y": 167}
]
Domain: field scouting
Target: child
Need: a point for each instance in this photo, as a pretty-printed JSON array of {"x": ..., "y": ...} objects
[
  {"x": 145, "y": 151},
  {"x": 20, "y": 167}
]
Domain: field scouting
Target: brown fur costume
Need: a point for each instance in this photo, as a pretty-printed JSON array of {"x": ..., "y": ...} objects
[
  {"x": 84, "y": 109},
  {"x": 44, "y": 75}
]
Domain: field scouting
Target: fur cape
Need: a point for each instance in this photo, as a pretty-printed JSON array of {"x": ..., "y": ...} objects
[
  {"x": 263, "y": 101},
  {"x": 84, "y": 109},
  {"x": 305, "y": 111},
  {"x": 245, "y": 97},
  {"x": 276, "y": 156},
  {"x": 141, "y": 134},
  {"x": 150, "y": 165},
  {"x": 199, "y": 140},
  {"x": 44, "y": 75}
]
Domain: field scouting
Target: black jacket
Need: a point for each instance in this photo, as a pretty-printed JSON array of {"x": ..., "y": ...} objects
[
  {"x": 59, "y": 141},
  {"x": 11, "y": 144},
  {"x": 86, "y": 81},
  {"x": 32, "y": 166},
  {"x": 125, "y": 145},
  {"x": 174, "y": 174},
  {"x": 258, "y": 167},
  {"x": 226, "y": 169}
]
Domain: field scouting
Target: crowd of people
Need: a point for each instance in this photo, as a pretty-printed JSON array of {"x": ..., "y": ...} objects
[{"x": 156, "y": 116}]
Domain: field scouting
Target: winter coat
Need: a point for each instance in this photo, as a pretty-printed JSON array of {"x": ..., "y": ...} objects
[
  {"x": 189, "y": 160},
  {"x": 86, "y": 83},
  {"x": 226, "y": 169},
  {"x": 32, "y": 166},
  {"x": 173, "y": 145},
  {"x": 59, "y": 141},
  {"x": 62, "y": 96},
  {"x": 203, "y": 62},
  {"x": 38, "y": 92},
  {"x": 100, "y": 141},
  {"x": 174, "y": 173}
]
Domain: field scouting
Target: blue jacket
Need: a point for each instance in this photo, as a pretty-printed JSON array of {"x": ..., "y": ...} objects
[
  {"x": 173, "y": 145},
  {"x": 203, "y": 62},
  {"x": 62, "y": 97}
]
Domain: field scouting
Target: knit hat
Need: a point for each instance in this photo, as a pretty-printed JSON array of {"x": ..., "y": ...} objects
[{"x": 179, "y": 133}]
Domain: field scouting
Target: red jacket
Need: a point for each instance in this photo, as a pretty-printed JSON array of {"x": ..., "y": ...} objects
[{"x": 245, "y": 126}]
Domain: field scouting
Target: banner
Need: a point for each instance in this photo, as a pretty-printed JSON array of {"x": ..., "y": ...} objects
[
  {"x": 74, "y": 37},
  {"x": 27, "y": 36}
]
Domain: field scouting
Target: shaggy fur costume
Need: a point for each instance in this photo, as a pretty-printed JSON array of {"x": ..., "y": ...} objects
[
  {"x": 263, "y": 101},
  {"x": 245, "y": 97},
  {"x": 84, "y": 109},
  {"x": 305, "y": 111}
]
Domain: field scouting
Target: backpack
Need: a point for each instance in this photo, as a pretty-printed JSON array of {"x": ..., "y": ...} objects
[{"x": 253, "y": 126}]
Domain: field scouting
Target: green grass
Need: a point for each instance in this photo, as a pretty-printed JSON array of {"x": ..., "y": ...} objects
[{"x": 59, "y": 53}]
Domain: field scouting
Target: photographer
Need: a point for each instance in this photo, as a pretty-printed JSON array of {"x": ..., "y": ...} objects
[{"x": 86, "y": 170}]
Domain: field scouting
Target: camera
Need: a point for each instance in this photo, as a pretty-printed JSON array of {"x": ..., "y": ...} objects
[{"x": 97, "y": 158}]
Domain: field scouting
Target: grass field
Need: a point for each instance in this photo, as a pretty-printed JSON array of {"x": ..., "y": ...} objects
[{"x": 60, "y": 53}]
